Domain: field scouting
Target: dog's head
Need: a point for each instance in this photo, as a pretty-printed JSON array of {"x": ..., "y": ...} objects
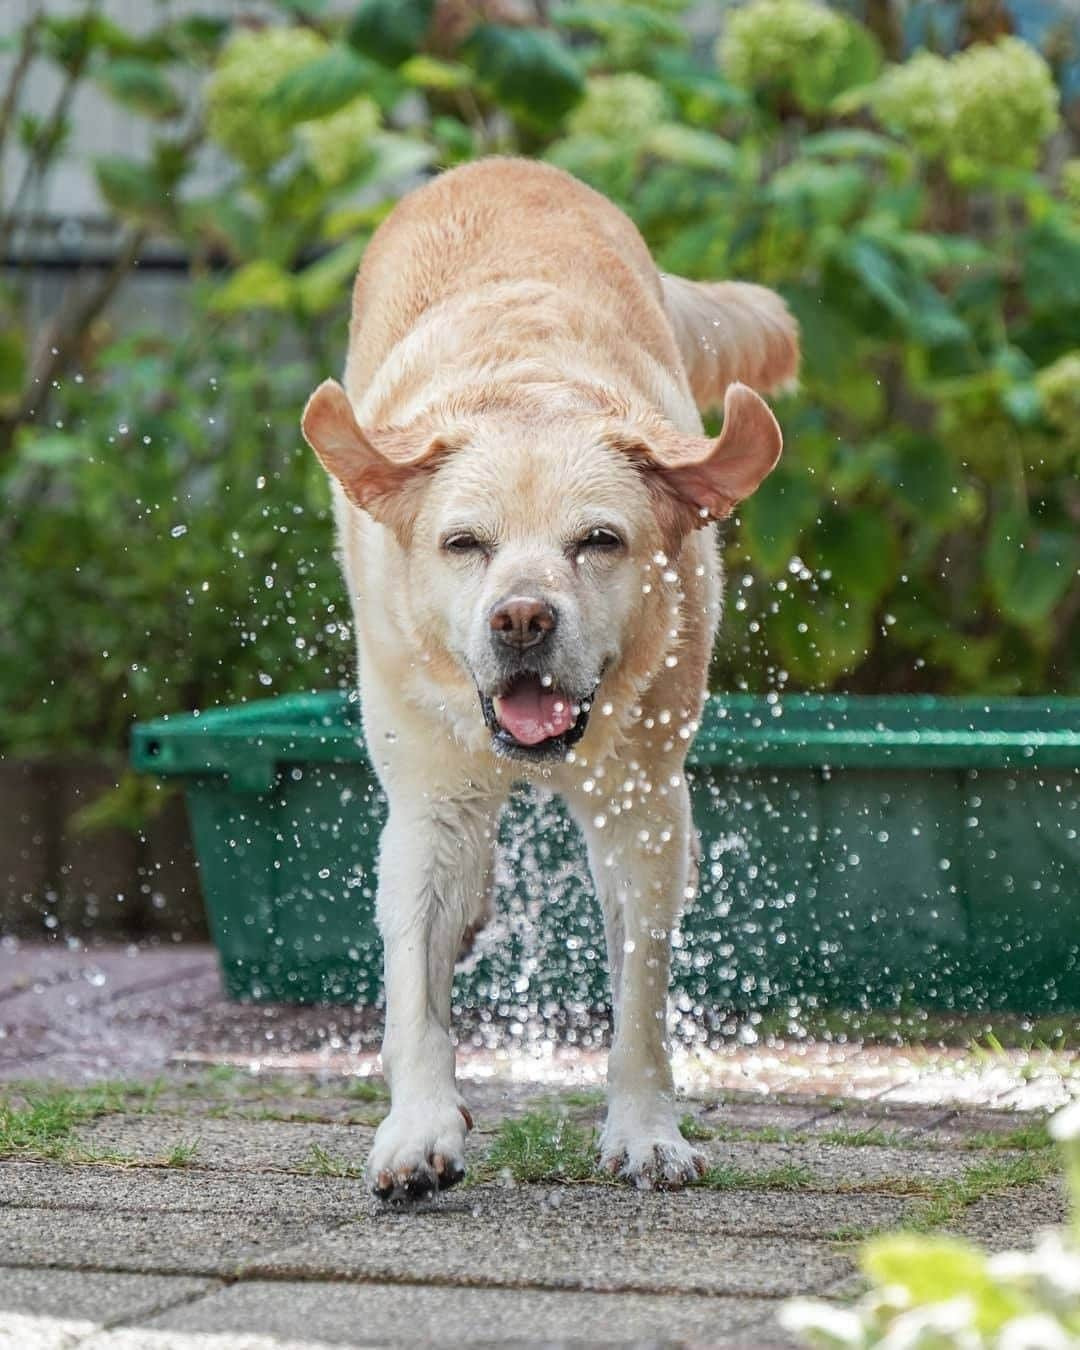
[{"x": 536, "y": 547}]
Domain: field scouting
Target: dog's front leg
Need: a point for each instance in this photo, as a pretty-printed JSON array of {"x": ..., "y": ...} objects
[
  {"x": 641, "y": 865},
  {"x": 434, "y": 881}
]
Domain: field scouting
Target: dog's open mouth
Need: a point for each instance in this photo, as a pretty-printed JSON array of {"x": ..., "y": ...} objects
[{"x": 531, "y": 719}]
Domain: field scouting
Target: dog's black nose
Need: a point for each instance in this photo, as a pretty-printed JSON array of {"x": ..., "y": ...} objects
[{"x": 522, "y": 621}]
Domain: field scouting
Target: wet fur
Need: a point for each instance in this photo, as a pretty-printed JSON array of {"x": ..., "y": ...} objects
[{"x": 515, "y": 359}]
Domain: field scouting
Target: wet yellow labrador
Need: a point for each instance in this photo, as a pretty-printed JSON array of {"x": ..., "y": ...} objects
[{"x": 525, "y": 502}]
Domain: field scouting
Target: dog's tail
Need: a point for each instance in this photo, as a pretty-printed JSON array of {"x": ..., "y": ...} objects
[{"x": 728, "y": 331}]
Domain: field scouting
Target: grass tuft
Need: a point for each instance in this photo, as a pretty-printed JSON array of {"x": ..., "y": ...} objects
[
  {"x": 582, "y": 1098},
  {"x": 540, "y": 1146},
  {"x": 40, "y": 1122},
  {"x": 319, "y": 1163},
  {"x": 693, "y": 1131},
  {"x": 947, "y": 1200},
  {"x": 786, "y": 1177},
  {"x": 365, "y": 1090},
  {"x": 1033, "y": 1136},
  {"x": 182, "y": 1153},
  {"x": 874, "y": 1136}
]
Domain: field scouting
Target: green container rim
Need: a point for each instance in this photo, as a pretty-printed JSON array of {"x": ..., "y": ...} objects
[{"x": 247, "y": 744}]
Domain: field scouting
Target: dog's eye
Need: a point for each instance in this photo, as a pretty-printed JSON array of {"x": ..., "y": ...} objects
[
  {"x": 462, "y": 542},
  {"x": 600, "y": 539}
]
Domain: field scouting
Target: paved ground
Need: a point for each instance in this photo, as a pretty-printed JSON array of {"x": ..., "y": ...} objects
[{"x": 210, "y": 1197}]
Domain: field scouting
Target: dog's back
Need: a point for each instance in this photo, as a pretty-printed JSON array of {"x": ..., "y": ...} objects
[
  {"x": 505, "y": 233},
  {"x": 523, "y": 245}
]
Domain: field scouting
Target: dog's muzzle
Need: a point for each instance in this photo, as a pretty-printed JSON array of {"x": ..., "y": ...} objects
[{"x": 531, "y": 718}]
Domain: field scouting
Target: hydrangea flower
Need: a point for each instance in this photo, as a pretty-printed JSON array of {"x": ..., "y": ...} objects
[
  {"x": 622, "y": 109},
  {"x": 917, "y": 100},
  {"x": 1059, "y": 390},
  {"x": 336, "y": 145},
  {"x": 1006, "y": 104},
  {"x": 250, "y": 64},
  {"x": 992, "y": 105},
  {"x": 799, "y": 47}
]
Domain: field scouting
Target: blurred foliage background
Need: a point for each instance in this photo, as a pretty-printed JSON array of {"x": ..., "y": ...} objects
[{"x": 904, "y": 173}]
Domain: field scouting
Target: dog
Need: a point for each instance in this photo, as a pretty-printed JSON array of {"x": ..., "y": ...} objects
[{"x": 524, "y": 500}]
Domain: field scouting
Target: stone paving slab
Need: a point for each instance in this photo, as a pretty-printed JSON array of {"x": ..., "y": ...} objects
[
  {"x": 188, "y": 1191},
  {"x": 563, "y": 1239},
  {"x": 839, "y": 1165},
  {"x": 320, "y": 1109},
  {"x": 158, "y": 1242},
  {"x": 264, "y": 1146},
  {"x": 1015, "y": 1218},
  {"x": 402, "y": 1314},
  {"x": 94, "y": 1297},
  {"x": 269, "y": 1255},
  {"x": 748, "y": 1115},
  {"x": 142, "y": 1338},
  {"x": 256, "y": 1145},
  {"x": 323, "y": 1200}
]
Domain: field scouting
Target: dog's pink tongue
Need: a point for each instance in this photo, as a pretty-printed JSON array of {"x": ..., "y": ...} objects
[{"x": 531, "y": 713}]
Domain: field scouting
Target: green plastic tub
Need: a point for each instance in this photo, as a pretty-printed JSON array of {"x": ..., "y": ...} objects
[{"x": 857, "y": 852}]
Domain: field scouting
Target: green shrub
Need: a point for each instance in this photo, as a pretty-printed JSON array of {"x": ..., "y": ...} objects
[{"x": 921, "y": 531}]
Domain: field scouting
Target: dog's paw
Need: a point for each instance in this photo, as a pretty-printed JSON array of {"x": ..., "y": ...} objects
[
  {"x": 417, "y": 1150},
  {"x": 646, "y": 1149}
]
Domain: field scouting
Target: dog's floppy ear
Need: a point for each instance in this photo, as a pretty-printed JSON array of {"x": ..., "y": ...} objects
[
  {"x": 377, "y": 468},
  {"x": 697, "y": 480}
]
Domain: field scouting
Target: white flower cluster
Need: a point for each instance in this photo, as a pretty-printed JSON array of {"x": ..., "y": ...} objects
[
  {"x": 242, "y": 121},
  {"x": 796, "y": 48},
  {"x": 622, "y": 109},
  {"x": 938, "y": 1293},
  {"x": 335, "y": 145},
  {"x": 250, "y": 65},
  {"x": 989, "y": 106}
]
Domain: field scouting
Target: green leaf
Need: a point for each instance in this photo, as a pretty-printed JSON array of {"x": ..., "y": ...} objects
[
  {"x": 773, "y": 519},
  {"x": 321, "y": 87},
  {"x": 258, "y": 285},
  {"x": 12, "y": 367},
  {"x": 1028, "y": 569},
  {"x": 200, "y": 34},
  {"x": 325, "y": 283},
  {"x": 852, "y": 143},
  {"x": 818, "y": 636},
  {"x": 1051, "y": 262},
  {"x": 936, "y": 1269},
  {"x": 129, "y": 187},
  {"x": 858, "y": 546},
  {"x": 51, "y": 449},
  {"x": 307, "y": 9},
  {"x": 690, "y": 147},
  {"x": 812, "y": 192},
  {"x": 828, "y": 338},
  {"x": 427, "y": 72},
  {"x": 394, "y": 156},
  {"x": 624, "y": 25},
  {"x": 390, "y": 31},
  {"x": 924, "y": 480},
  {"x": 823, "y": 76},
  {"x": 526, "y": 71},
  {"x": 68, "y": 39},
  {"x": 702, "y": 93},
  {"x": 910, "y": 300},
  {"x": 139, "y": 84},
  {"x": 598, "y": 161}
]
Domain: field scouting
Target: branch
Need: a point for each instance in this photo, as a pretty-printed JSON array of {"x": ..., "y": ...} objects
[
  {"x": 46, "y": 139},
  {"x": 27, "y": 52},
  {"x": 59, "y": 343}
]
